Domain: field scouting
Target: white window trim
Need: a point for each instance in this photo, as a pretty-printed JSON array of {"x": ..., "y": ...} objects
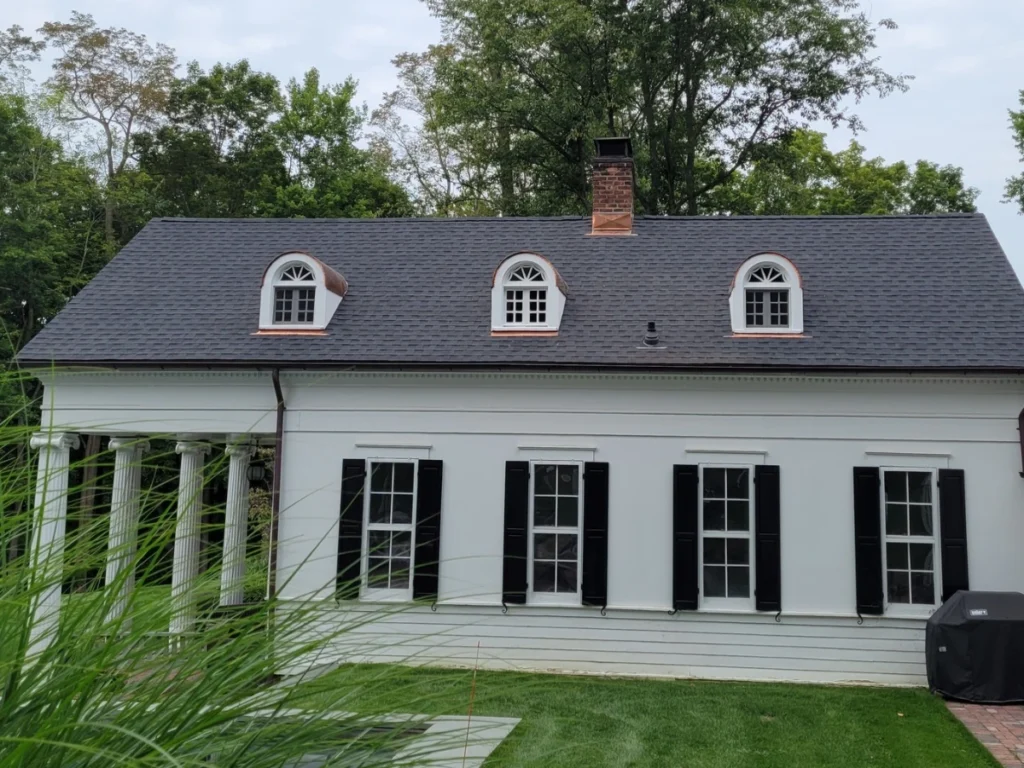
[
  {"x": 555, "y": 598},
  {"x": 378, "y": 594},
  {"x": 554, "y": 297},
  {"x": 727, "y": 603},
  {"x": 738, "y": 296},
  {"x": 909, "y": 610},
  {"x": 325, "y": 302}
]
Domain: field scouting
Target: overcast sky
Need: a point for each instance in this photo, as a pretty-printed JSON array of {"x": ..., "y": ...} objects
[{"x": 965, "y": 55}]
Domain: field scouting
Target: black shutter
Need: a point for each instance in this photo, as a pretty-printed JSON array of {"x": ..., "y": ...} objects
[
  {"x": 685, "y": 538},
  {"x": 867, "y": 530},
  {"x": 953, "y": 522},
  {"x": 517, "y": 505},
  {"x": 767, "y": 530},
  {"x": 595, "y": 533},
  {"x": 427, "y": 558},
  {"x": 350, "y": 528}
]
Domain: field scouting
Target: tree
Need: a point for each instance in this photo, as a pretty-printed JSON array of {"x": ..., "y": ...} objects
[
  {"x": 1015, "y": 184},
  {"x": 702, "y": 86},
  {"x": 800, "y": 176},
  {"x": 217, "y": 154},
  {"x": 433, "y": 159},
  {"x": 16, "y": 49},
  {"x": 328, "y": 175},
  {"x": 49, "y": 219},
  {"x": 113, "y": 80},
  {"x": 234, "y": 144}
]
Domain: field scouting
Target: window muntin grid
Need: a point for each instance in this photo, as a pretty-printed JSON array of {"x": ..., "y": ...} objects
[
  {"x": 390, "y": 516},
  {"x": 726, "y": 529},
  {"x": 295, "y": 296},
  {"x": 767, "y": 308},
  {"x": 910, "y": 536},
  {"x": 555, "y": 515}
]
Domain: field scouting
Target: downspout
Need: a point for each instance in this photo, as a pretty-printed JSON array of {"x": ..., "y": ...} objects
[{"x": 275, "y": 498}]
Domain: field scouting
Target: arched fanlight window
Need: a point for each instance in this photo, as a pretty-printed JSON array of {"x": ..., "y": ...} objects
[
  {"x": 527, "y": 295},
  {"x": 299, "y": 293},
  {"x": 767, "y": 296},
  {"x": 295, "y": 295}
]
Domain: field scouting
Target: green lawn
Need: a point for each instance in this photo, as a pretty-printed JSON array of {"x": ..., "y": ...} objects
[{"x": 586, "y": 722}]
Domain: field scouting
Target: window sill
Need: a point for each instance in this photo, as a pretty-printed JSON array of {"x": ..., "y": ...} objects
[
  {"x": 909, "y": 612},
  {"x": 385, "y": 597}
]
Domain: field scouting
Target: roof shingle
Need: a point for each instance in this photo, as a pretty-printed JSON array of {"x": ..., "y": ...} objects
[{"x": 879, "y": 292}]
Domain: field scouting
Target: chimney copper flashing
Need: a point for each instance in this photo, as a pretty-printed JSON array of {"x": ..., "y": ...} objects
[{"x": 613, "y": 187}]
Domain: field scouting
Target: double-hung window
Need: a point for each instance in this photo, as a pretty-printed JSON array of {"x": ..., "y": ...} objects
[
  {"x": 390, "y": 522},
  {"x": 554, "y": 543},
  {"x": 726, "y": 527},
  {"x": 910, "y": 529}
]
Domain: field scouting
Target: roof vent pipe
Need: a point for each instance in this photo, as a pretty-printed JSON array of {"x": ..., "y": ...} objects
[{"x": 651, "y": 337}]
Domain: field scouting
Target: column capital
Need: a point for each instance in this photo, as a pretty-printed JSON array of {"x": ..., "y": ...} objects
[
  {"x": 128, "y": 443},
  {"x": 59, "y": 440},
  {"x": 191, "y": 446},
  {"x": 240, "y": 448}
]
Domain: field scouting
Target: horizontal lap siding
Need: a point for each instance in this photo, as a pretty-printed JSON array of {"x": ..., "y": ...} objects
[{"x": 634, "y": 643}]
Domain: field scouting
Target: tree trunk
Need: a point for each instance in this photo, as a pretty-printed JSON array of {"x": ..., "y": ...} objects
[{"x": 108, "y": 218}]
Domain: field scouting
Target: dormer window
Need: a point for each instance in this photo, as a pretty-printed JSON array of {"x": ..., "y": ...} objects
[
  {"x": 295, "y": 295},
  {"x": 300, "y": 293},
  {"x": 527, "y": 296},
  {"x": 767, "y": 297}
]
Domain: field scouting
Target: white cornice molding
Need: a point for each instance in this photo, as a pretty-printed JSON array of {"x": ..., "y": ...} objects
[{"x": 716, "y": 378}]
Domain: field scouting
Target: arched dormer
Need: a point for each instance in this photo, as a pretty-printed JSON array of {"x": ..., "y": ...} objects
[
  {"x": 299, "y": 293},
  {"x": 767, "y": 297},
  {"x": 527, "y": 295}
]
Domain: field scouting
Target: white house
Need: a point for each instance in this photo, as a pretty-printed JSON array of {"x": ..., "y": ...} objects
[{"x": 717, "y": 447}]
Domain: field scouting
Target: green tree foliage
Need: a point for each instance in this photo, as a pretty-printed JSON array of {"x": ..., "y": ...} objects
[
  {"x": 1015, "y": 184},
  {"x": 51, "y": 239},
  {"x": 800, "y": 176},
  {"x": 236, "y": 144},
  {"x": 702, "y": 86}
]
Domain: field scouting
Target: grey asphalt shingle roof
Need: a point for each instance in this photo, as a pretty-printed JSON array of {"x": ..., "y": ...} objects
[{"x": 879, "y": 292}]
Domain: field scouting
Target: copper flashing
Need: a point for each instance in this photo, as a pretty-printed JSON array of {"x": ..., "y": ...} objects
[
  {"x": 524, "y": 334},
  {"x": 287, "y": 332},
  {"x": 611, "y": 224},
  {"x": 770, "y": 336},
  {"x": 334, "y": 281},
  {"x": 559, "y": 282}
]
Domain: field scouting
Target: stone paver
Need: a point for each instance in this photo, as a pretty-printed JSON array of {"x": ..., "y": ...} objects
[{"x": 1001, "y": 729}]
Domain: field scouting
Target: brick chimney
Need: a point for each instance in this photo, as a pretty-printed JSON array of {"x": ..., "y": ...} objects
[{"x": 613, "y": 187}]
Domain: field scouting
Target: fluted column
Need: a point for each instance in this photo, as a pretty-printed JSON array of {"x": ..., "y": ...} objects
[
  {"x": 124, "y": 523},
  {"x": 186, "y": 536},
  {"x": 236, "y": 518},
  {"x": 50, "y": 520}
]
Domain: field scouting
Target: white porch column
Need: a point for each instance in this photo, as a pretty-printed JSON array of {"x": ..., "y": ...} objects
[
  {"x": 51, "y": 509},
  {"x": 186, "y": 536},
  {"x": 236, "y": 517},
  {"x": 124, "y": 523}
]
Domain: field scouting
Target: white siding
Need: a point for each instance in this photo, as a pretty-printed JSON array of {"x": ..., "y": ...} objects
[{"x": 815, "y": 428}]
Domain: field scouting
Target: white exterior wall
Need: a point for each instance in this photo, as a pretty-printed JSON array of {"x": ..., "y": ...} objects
[{"x": 815, "y": 428}]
